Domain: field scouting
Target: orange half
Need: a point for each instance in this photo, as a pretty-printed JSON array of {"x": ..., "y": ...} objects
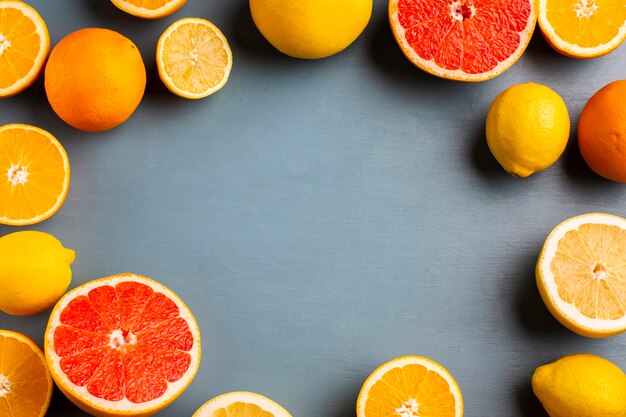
[
  {"x": 24, "y": 46},
  {"x": 241, "y": 404},
  {"x": 25, "y": 383},
  {"x": 149, "y": 9},
  {"x": 34, "y": 175},
  {"x": 583, "y": 28},
  {"x": 410, "y": 386}
]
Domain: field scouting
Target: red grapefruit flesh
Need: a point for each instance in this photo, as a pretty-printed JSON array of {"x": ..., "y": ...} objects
[
  {"x": 463, "y": 40},
  {"x": 122, "y": 345}
]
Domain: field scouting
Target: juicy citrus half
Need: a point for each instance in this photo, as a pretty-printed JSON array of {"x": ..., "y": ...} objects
[
  {"x": 24, "y": 46},
  {"x": 464, "y": 40},
  {"x": 25, "y": 382},
  {"x": 241, "y": 404},
  {"x": 583, "y": 28},
  {"x": 410, "y": 386},
  {"x": 34, "y": 174},
  {"x": 193, "y": 58},
  {"x": 149, "y": 9},
  {"x": 581, "y": 274},
  {"x": 124, "y": 345}
]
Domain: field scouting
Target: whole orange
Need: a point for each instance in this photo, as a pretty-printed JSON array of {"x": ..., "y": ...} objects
[
  {"x": 602, "y": 132},
  {"x": 95, "y": 79}
]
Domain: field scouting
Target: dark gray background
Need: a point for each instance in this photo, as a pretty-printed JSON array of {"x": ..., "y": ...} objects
[{"x": 322, "y": 217}]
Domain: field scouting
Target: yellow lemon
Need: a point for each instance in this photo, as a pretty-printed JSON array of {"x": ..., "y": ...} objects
[
  {"x": 311, "y": 29},
  {"x": 34, "y": 272},
  {"x": 581, "y": 385},
  {"x": 527, "y": 128}
]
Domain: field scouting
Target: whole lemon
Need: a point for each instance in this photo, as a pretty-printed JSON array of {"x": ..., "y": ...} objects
[
  {"x": 311, "y": 29},
  {"x": 34, "y": 272},
  {"x": 527, "y": 128},
  {"x": 581, "y": 385},
  {"x": 602, "y": 132},
  {"x": 95, "y": 79}
]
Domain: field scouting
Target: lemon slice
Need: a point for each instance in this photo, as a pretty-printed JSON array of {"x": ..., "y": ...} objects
[
  {"x": 241, "y": 404},
  {"x": 581, "y": 274}
]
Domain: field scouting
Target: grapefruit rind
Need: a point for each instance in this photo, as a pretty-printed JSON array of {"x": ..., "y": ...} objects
[
  {"x": 167, "y": 9},
  {"x": 42, "y": 30},
  {"x": 460, "y": 75},
  {"x": 567, "y": 314},
  {"x": 404, "y": 361},
  {"x": 572, "y": 50},
  {"x": 100, "y": 407},
  {"x": 222, "y": 401},
  {"x": 66, "y": 183}
]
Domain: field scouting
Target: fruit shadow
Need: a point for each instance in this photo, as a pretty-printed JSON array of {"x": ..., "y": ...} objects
[
  {"x": 528, "y": 404},
  {"x": 60, "y": 406}
]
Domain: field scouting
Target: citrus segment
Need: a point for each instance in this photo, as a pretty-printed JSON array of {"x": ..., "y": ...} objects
[
  {"x": 583, "y": 28},
  {"x": 410, "y": 386},
  {"x": 466, "y": 40},
  {"x": 24, "y": 46},
  {"x": 36, "y": 173},
  {"x": 149, "y": 9},
  {"x": 193, "y": 58},
  {"x": 25, "y": 383},
  {"x": 122, "y": 345},
  {"x": 241, "y": 404},
  {"x": 581, "y": 274}
]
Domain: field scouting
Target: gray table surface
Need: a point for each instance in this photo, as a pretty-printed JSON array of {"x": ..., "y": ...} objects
[{"x": 322, "y": 217}]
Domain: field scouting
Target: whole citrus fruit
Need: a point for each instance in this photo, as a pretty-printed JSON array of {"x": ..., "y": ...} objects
[
  {"x": 311, "y": 29},
  {"x": 581, "y": 385},
  {"x": 527, "y": 128},
  {"x": 602, "y": 132},
  {"x": 34, "y": 272},
  {"x": 95, "y": 79}
]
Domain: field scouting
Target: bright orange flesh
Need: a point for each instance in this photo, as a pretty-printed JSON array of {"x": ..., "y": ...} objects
[
  {"x": 149, "y": 9},
  {"x": 25, "y": 383},
  {"x": 24, "y": 46},
  {"x": 242, "y": 410},
  {"x": 34, "y": 175}
]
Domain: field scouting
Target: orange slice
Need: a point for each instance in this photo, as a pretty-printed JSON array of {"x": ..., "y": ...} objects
[
  {"x": 583, "y": 28},
  {"x": 410, "y": 386},
  {"x": 241, "y": 404},
  {"x": 24, "y": 46},
  {"x": 149, "y": 9},
  {"x": 25, "y": 383},
  {"x": 581, "y": 274},
  {"x": 122, "y": 345},
  {"x": 193, "y": 58},
  {"x": 35, "y": 175},
  {"x": 464, "y": 40}
]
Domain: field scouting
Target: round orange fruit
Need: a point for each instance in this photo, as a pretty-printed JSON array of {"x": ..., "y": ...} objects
[
  {"x": 123, "y": 345},
  {"x": 95, "y": 79},
  {"x": 602, "y": 132}
]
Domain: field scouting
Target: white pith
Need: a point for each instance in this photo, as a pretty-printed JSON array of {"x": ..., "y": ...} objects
[
  {"x": 455, "y": 10},
  {"x": 400, "y": 363},
  {"x": 142, "y": 11},
  {"x": 459, "y": 74},
  {"x": 5, "y": 386},
  {"x": 224, "y": 400},
  {"x": 42, "y": 54},
  {"x": 123, "y": 406},
  {"x": 17, "y": 174},
  {"x": 193, "y": 56},
  {"x": 409, "y": 408},
  {"x": 582, "y": 8},
  {"x": 570, "y": 311}
]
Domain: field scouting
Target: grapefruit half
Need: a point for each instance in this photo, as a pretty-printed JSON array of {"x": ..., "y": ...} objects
[
  {"x": 463, "y": 40},
  {"x": 123, "y": 345}
]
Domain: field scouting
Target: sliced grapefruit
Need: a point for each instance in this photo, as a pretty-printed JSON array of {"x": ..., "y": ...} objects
[
  {"x": 241, "y": 404},
  {"x": 464, "y": 40},
  {"x": 122, "y": 346}
]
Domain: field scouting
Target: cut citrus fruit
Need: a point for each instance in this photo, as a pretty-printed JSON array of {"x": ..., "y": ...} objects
[
  {"x": 149, "y": 9},
  {"x": 122, "y": 345},
  {"x": 24, "y": 46},
  {"x": 464, "y": 40},
  {"x": 241, "y": 404},
  {"x": 193, "y": 58},
  {"x": 25, "y": 382},
  {"x": 583, "y": 28},
  {"x": 410, "y": 386},
  {"x": 581, "y": 274},
  {"x": 37, "y": 174}
]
